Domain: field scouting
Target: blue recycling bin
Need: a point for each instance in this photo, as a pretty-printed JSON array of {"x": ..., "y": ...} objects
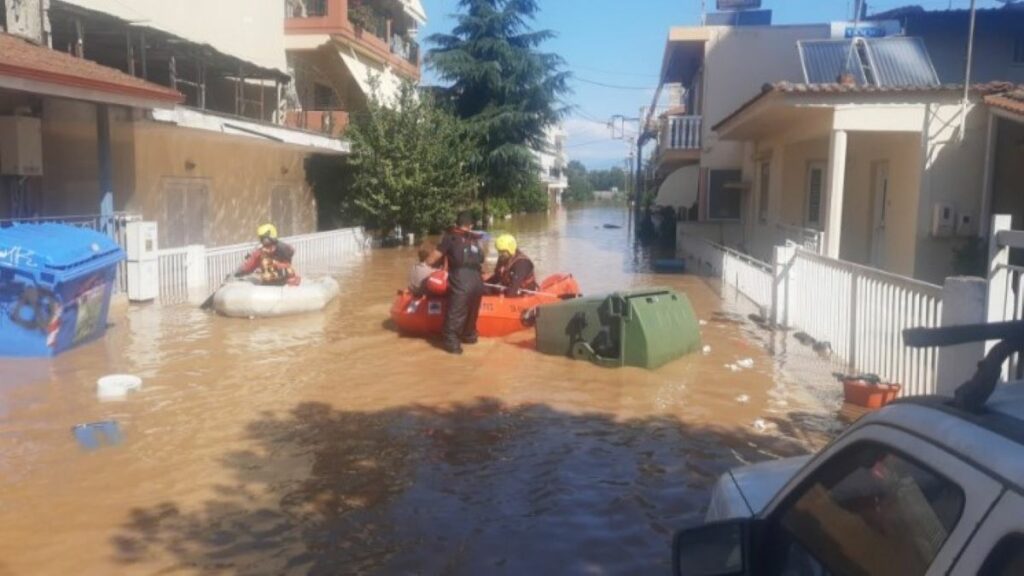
[{"x": 55, "y": 285}]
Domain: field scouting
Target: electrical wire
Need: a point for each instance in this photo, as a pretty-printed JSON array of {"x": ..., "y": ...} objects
[{"x": 612, "y": 86}]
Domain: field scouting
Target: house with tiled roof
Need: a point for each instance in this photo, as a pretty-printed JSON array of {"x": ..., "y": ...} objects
[
  {"x": 174, "y": 111},
  {"x": 857, "y": 145}
]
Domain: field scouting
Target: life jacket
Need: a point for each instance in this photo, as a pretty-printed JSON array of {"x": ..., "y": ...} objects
[
  {"x": 504, "y": 272},
  {"x": 466, "y": 252},
  {"x": 275, "y": 266}
]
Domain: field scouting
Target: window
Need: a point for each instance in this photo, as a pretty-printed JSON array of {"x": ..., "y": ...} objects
[
  {"x": 324, "y": 98},
  {"x": 1006, "y": 559},
  {"x": 763, "y": 198},
  {"x": 868, "y": 510},
  {"x": 724, "y": 195},
  {"x": 1018, "y": 50},
  {"x": 815, "y": 190}
]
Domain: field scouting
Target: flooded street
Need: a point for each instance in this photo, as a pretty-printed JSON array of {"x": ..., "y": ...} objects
[{"x": 327, "y": 444}]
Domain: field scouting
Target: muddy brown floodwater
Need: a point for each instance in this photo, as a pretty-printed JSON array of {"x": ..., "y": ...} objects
[{"x": 327, "y": 444}]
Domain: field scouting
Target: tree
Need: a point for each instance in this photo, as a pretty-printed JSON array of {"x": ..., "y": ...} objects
[
  {"x": 580, "y": 189},
  {"x": 410, "y": 165},
  {"x": 506, "y": 88},
  {"x": 608, "y": 179}
]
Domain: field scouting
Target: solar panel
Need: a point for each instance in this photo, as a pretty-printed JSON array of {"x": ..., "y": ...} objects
[{"x": 895, "y": 61}]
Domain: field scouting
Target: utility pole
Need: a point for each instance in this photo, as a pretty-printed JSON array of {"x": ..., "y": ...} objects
[{"x": 967, "y": 73}]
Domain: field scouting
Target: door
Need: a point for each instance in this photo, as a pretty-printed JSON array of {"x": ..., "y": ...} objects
[
  {"x": 879, "y": 212},
  {"x": 282, "y": 208},
  {"x": 186, "y": 204},
  {"x": 815, "y": 194},
  {"x": 987, "y": 552}
]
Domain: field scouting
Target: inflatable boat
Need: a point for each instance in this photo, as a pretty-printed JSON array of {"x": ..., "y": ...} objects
[
  {"x": 499, "y": 315},
  {"x": 244, "y": 299}
]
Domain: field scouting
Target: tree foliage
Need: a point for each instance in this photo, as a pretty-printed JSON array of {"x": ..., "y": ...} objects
[
  {"x": 580, "y": 189},
  {"x": 503, "y": 86},
  {"x": 410, "y": 165}
]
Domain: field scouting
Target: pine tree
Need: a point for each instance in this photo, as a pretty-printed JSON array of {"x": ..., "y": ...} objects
[{"x": 503, "y": 86}]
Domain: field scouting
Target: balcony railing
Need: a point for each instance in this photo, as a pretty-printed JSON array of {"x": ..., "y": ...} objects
[
  {"x": 682, "y": 133},
  {"x": 807, "y": 238},
  {"x": 305, "y": 8},
  {"x": 406, "y": 48},
  {"x": 329, "y": 122}
]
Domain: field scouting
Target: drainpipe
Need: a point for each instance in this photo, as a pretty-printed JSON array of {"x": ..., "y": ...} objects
[
  {"x": 967, "y": 74},
  {"x": 104, "y": 168}
]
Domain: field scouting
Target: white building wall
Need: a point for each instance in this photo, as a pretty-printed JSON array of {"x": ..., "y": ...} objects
[
  {"x": 738, "y": 62},
  {"x": 554, "y": 157},
  {"x": 247, "y": 29}
]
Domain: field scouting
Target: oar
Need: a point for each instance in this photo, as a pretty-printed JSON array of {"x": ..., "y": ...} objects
[
  {"x": 208, "y": 303},
  {"x": 500, "y": 287}
]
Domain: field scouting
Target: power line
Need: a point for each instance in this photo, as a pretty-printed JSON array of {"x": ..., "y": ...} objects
[
  {"x": 612, "y": 86},
  {"x": 613, "y": 72}
]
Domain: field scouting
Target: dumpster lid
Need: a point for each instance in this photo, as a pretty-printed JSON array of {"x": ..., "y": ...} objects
[{"x": 49, "y": 245}]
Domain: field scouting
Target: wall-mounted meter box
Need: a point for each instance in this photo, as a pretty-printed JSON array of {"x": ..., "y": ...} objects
[
  {"x": 943, "y": 220},
  {"x": 965, "y": 224}
]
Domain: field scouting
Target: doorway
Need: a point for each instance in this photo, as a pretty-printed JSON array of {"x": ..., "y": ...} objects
[{"x": 879, "y": 212}]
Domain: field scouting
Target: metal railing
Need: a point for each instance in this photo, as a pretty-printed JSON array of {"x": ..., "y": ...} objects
[
  {"x": 860, "y": 313},
  {"x": 196, "y": 270},
  {"x": 807, "y": 238},
  {"x": 305, "y": 8},
  {"x": 682, "y": 133},
  {"x": 748, "y": 276},
  {"x": 1005, "y": 298}
]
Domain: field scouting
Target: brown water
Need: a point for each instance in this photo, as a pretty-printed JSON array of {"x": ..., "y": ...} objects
[{"x": 327, "y": 444}]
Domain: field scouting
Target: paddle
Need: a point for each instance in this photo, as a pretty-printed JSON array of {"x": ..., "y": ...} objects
[
  {"x": 500, "y": 287},
  {"x": 208, "y": 303}
]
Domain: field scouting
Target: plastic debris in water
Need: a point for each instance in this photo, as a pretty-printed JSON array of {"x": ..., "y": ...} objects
[
  {"x": 89, "y": 435},
  {"x": 747, "y": 363},
  {"x": 733, "y": 367},
  {"x": 117, "y": 386},
  {"x": 762, "y": 425},
  {"x": 706, "y": 350},
  {"x": 743, "y": 398},
  {"x": 703, "y": 322}
]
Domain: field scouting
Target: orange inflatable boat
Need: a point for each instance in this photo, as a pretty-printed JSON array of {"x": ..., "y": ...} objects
[{"x": 499, "y": 315}]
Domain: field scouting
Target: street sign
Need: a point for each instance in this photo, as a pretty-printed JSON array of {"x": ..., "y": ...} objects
[
  {"x": 738, "y": 4},
  {"x": 877, "y": 29}
]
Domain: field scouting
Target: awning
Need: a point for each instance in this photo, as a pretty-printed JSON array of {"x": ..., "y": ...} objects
[
  {"x": 186, "y": 117},
  {"x": 29, "y": 68},
  {"x": 414, "y": 8},
  {"x": 366, "y": 72}
]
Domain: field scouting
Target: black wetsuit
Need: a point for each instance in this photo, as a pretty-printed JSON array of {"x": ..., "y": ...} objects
[{"x": 465, "y": 286}]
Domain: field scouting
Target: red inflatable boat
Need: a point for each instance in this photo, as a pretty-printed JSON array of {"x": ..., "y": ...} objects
[{"x": 499, "y": 315}]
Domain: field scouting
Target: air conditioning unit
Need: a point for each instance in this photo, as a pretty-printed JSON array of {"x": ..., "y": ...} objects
[
  {"x": 21, "y": 146},
  {"x": 143, "y": 266}
]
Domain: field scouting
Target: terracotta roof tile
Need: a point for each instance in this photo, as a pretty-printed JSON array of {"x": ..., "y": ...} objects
[
  {"x": 1011, "y": 101},
  {"x": 22, "y": 59}
]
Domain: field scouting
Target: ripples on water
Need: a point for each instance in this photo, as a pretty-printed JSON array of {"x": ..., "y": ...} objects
[{"x": 327, "y": 444}]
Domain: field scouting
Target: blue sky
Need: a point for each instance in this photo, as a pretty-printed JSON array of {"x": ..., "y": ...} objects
[{"x": 620, "y": 43}]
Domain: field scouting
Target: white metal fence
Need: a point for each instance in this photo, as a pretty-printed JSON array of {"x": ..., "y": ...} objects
[
  {"x": 861, "y": 313},
  {"x": 747, "y": 275},
  {"x": 197, "y": 271},
  {"x": 856, "y": 311}
]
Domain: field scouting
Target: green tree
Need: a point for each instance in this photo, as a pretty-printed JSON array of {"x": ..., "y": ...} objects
[
  {"x": 608, "y": 179},
  {"x": 504, "y": 86},
  {"x": 410, "y": 165},
  {"x": 580, "y": 189}
]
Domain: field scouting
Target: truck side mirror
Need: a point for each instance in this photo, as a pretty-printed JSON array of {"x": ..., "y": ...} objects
[{"x": 716, "y": 549}]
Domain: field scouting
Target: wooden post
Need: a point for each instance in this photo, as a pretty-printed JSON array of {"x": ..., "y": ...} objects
[
  {"x": 173, "y": 66},
  {"x": 79, "y": 39}
]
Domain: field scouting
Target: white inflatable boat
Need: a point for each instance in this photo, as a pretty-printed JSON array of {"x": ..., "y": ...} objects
[{"x": 243, "y": 299}]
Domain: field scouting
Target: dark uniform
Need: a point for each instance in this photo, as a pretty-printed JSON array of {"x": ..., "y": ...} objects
[
  {"x": 465, "y": 286},
  {"x": 515, "y": 274}
]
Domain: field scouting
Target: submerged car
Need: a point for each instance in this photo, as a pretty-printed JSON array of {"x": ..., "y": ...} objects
[{"x": 926, "y": 485}]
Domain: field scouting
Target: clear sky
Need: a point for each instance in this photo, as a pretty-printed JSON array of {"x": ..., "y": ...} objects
[{"x": 620, "y": 43}]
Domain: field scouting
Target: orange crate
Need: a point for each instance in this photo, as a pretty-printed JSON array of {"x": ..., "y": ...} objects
[{"x": 868, "y": 394}]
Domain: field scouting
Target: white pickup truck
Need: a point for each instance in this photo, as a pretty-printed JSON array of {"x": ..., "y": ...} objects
[{"x": 924, "y": 486}]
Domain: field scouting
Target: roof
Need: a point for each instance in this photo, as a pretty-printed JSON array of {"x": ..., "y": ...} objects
[
  {"x": 892, "y": 61},
  {"x": 42, "y": 67},
  {"x": 834, "y": 89},
  {"x": 918, "y": 11},
  {"x": 1010, "y": 101}
]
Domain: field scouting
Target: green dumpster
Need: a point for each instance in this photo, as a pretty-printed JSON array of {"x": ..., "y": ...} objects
[{"x": 644, "y": 328}]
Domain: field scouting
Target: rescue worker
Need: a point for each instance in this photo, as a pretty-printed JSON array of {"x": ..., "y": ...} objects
[
  {"x": 271, "y": 261},
  {"x": 461, "y": 248},
  {"x": 514, "y": 271}
]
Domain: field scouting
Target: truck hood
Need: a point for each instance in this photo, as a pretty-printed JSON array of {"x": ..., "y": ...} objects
[{"x": 746, "y": 490}]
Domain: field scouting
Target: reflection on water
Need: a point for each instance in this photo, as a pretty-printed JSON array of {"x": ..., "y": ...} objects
[{"x": 328, "y": 444}]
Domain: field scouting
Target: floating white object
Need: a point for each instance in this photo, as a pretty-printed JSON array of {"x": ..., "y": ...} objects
[
  {"x": 703, "y": 322},
  {"x": 743, "y": 398},
  {"x": 746, "y": 363},
  {"x": 117, "y": 386},
  {"x": 706, "y": 350},
  {"x": 763, "y": 426},
  {"x": 733, "y": 367},
  {"x": 242, "y": 299}
]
